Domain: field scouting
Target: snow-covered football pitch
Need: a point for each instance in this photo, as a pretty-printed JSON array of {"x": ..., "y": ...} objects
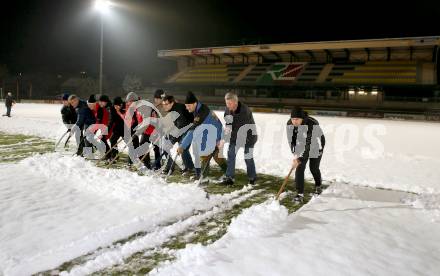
[{"x": 380, "y": 214}]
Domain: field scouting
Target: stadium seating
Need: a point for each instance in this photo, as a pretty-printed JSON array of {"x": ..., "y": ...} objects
[
  {"x": 339, "y": 69},
  {"x": 311, "y": 72},
  {"x": 234, "y": 70},
  {"x": 371, "y": 72},
  {"x": 204, "y": 73},
  {"x": 256, "y": 73},
  {"x": 211, "y": 73},
  {"x": 375, "y": 72}
]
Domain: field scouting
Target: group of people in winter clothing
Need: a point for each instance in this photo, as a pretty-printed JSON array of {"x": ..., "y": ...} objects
[{"x": 158, "y": 127}]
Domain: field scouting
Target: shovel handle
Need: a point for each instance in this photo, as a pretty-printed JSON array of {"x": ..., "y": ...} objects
[{"x": 284, "y": 183}]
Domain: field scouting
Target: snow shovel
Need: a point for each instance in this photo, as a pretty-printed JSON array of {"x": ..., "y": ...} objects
[
  {"x": 206, "y": 166},
  {"x": 140, "y": 165},
  {"x": 171, "y": 167},
  {"x": 284, "y": 183},
  {"x": 80, "y": 142},
  {"x": 59, "y": 141},
  {"x": 67, "y": 141},
  {"x": 114, "y": 146},
  {"x": 149, "y": 149},
  {"x": 126, "y": 145},
  {"x": 158, "y": 172}
]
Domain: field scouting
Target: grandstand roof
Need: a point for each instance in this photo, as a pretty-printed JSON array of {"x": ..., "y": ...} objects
[{"x": 409, "y": 44}]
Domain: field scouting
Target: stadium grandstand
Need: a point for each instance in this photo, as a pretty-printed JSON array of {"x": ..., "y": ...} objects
[{"x": 373, "y": 77}]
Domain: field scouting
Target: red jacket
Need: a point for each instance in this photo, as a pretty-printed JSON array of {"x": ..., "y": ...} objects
[
  {"x": 150, "y": 129},
  {"x": 137, "y": 119},
  {"x": 102, "y": 116}
]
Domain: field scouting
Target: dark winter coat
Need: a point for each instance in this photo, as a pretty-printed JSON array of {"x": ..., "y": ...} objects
[
  {"x": 9, "y": 101},
  {"x": 308, "y": 140},
  {"x": 185, "y": 118},
  {"x": 68, "y": 115},
  {"x": 85, "y": 117},
  {"x": 242, "y": 116},
  {"x": 116, "y": 124},
  {"x": 103, "y": 115},
  {"x": 201, "y": 113},
  {"x": 203, "y": 116},
  {"x": 134, "y": 121}
]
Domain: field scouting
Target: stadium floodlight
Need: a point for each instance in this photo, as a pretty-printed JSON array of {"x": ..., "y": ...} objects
[
  {"x": 374, "y": 92},
  {"x": 351, "y": 91},
  {"x": 102, "y": 6},
  {"x": 361, "y": 92}
]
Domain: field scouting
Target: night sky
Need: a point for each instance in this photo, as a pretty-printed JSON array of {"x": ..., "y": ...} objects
[{"x": 61, "y": 36}]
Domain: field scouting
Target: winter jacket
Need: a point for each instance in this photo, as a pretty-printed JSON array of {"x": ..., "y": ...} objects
[
  {"x": 68, "y": 115},
  {"x": 145, "y": 112},
  {"x": 202, "y": 117},
  {"x": 85, "y": 117},
  {"x": 133, "y": 121},
  {"x": 185, "y": 118},
  {"x": 307, "y": 140},
  {"x": 242, "y": 116},
  {"x": 103, "y": 114},
  {"x": 9, "y": 101},
  {"x": 116, "y": 124}
]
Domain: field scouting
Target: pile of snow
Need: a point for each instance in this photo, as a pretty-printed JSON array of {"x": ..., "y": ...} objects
[
  {"x": 253, "y": 222},
  {"x": 343, "y": 232},
  {"x": 430, "y": 203},
  {"x": 55, "y": 208},
  {"x": 114, "y": 184},
  {"x": 151, "y": 240}
]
